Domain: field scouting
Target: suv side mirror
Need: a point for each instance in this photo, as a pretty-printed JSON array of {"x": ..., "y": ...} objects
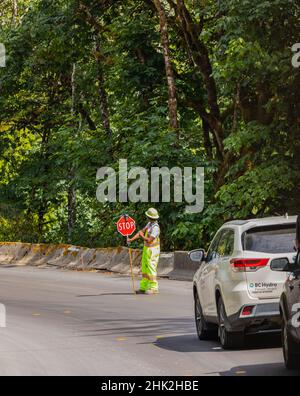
[
  {"x": 197, "y": 256},
  {"x": 282, "y": 265}
]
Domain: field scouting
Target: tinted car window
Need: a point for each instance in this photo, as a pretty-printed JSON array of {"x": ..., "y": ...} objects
[
  {"x": 272, "y": 239},
  {"x": 226, "y": 244},
  {"x": 222, "y": 244},
  {"x": 230, "y": 244},
  {"x": 212, "y": 252}
]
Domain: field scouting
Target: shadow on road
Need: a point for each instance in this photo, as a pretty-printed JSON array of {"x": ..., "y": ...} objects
[
  {"x": 269, "y": 370},
  {"x": 7, "y": 266},
  {"x": 140, "y": 327},
  {"x": 190, "y": 343},
  {"x": 263, "y": 341},
  {"x": 187, "y": 343},
  {"x": 173, "y": 334},
  {"x": 105, "y": 294}
]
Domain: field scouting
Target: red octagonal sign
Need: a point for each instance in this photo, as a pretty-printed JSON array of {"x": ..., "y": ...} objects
[{"x": 126, "y": 226}]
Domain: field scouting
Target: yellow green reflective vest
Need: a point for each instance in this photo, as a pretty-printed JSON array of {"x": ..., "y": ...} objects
[{"x": 150, "y": 229}]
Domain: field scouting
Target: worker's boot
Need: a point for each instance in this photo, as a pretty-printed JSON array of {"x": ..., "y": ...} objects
[
  {"x": 151, "y": 292},
  {"x": 140, "y": 292}
]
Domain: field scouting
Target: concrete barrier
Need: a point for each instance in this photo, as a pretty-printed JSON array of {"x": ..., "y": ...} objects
[
  {"x": 184, "y": 268},
  {"x": 10, "y": 252},
  {"x": 79, "y": 258},
  {"x": 63, "y": 256},
  {"x": 166, "y": 265}
]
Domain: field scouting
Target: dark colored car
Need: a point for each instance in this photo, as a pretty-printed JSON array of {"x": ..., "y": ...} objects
[{"x": 290, "y": 311}]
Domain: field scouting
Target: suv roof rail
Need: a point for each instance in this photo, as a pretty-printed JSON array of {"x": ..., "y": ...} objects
[
  {"x": 238, "y": 222},
  {"x": 264, "y": 220}
]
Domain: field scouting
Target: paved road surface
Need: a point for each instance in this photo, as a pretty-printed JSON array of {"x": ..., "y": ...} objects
[{"x": 71, "y": 323}]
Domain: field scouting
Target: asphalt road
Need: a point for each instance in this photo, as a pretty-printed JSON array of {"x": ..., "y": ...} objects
[{"x": 71, "y": 323}]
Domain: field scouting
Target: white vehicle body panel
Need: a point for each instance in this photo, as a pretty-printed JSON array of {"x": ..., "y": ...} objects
[{"x": 239, "y": 289}]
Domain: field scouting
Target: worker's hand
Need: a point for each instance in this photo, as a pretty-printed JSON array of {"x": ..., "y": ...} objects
[
  {"x": 142, "y": 235},
  {"x": 128, "y": 241}
]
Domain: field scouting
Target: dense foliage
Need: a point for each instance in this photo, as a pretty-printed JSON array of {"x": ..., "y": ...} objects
[{"x": 161, "y": 83}]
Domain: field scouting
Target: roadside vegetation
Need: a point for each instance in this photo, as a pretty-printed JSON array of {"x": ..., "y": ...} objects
[{"x": 160, "y": 83}]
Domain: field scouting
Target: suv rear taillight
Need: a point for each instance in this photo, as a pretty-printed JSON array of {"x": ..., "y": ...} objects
[{"x": 248, "y": 265}]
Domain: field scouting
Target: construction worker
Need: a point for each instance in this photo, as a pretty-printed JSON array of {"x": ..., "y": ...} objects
[{"x": 151, "y": 236}]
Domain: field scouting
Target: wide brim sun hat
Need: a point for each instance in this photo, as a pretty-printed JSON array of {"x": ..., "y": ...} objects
[{"x": 152, "y": 214}]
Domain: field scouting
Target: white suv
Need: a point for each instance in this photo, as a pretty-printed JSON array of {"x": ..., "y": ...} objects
[{"x": 236, "y": 291}]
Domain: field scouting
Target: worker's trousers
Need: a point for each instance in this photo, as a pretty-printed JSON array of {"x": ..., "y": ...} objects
[{"x": 150, "y": 261}]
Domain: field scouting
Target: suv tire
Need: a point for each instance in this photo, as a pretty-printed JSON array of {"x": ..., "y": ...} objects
[
  {"x": 205, "y": 331},
  {"x": 228, "y": 339},
  {"x": 292, "y": 360}
]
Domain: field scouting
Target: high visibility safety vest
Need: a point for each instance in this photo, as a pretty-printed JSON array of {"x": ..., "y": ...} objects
[{"x": 148, "y": 233}]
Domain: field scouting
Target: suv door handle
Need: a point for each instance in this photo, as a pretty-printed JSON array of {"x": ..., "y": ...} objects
[{"x": 205, "y": 271}]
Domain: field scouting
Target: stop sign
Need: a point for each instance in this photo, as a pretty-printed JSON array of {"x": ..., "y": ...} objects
[{"x": 126, "y": 226}]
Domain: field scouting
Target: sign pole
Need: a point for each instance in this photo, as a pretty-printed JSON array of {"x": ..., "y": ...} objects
[
  {"x": 130, "y": 261},
  {"x": 131, "y": 269}
]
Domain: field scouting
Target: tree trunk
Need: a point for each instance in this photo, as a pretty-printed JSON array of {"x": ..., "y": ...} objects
[
  {"x": 104, "y": 108},
  {"x": 71, "y": 205},
  {"x": 200, "y": 55},
  {"x": 85, "y": 116},
  {"x": 14, "y": 11},
  {"x": 207, "y": 141},
  {"x": 41, "y": 215},
  {"x": 173, "y": 106},
  {"x": 42, "y": 209},
  {"x": 236, "y": 109},
  {"x": 71, "y": 175}
]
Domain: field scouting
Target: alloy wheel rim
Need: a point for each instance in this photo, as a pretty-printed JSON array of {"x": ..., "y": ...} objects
[
  {"x": 285, "y": 343},
  {"x": 198, "y": 316},
  {"x": 222, "y": 325}
]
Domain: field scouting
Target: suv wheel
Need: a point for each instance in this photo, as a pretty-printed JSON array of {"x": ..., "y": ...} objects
[
  {"x": 229, "y": 340},
  {"x": 292, "y": 360},
  {"x": 205, "y": 331}
]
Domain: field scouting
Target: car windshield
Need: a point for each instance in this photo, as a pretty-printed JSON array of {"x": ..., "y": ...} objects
[{"x": 271, "y": 239}]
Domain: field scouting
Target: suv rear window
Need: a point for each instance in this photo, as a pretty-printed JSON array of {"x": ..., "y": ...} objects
[{"x": 270, "y": 239}]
